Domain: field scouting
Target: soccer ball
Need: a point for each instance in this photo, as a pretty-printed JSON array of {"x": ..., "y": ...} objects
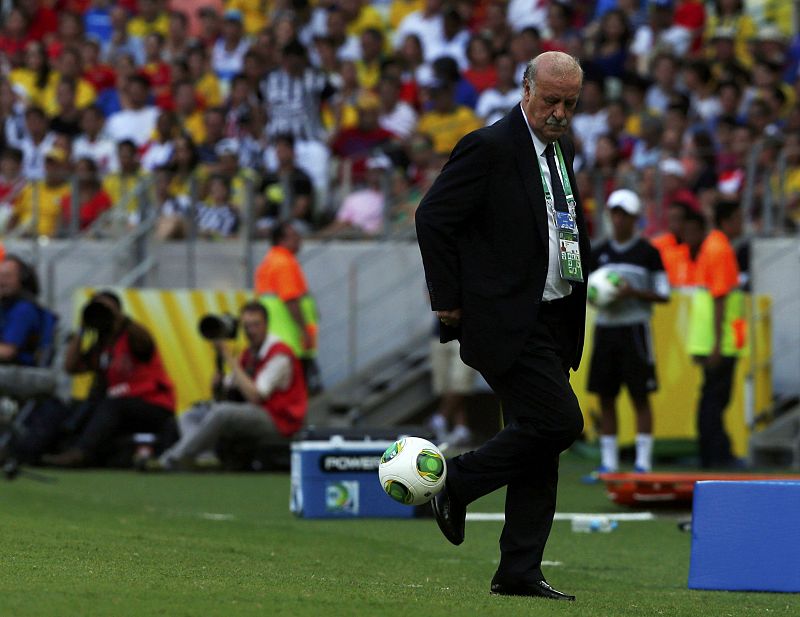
[
  {"x": 603, "y": 287},
  {"x": 412, "y": 471}
]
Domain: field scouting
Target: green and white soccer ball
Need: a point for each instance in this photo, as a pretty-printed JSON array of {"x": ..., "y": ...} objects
[
  {"x": 602, "y": 287},
  {"x": 412, "y": 471}
]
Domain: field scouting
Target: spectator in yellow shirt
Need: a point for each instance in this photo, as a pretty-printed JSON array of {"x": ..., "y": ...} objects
[
  {"x": 447, "y": 122},
  {"x": 149, "y": 20},
  {"x": 189, "y": 113},
  {"x": 254, "y": 13},
  {"x": 369, "y": 65},
  {"x": 70, "y": 67},
  {"x": 35, "y": 75},
  {"x": 38, "y": 207},
  {"x": 206, "y": 83},
  {"x": 120, "y": 185},
  {"x": 359, "y": 16}
]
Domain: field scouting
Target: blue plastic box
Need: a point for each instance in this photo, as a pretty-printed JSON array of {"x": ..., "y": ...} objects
[
  {"x": 746, "y": 536},
  {"x": 338, "y": 478}
]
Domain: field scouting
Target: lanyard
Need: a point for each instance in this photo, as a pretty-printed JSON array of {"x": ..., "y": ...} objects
[
  {"x": 569, "y": 252},
  {"x": 565, "y": 183}
]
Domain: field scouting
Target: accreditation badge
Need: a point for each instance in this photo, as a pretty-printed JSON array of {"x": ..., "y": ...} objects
[{"x": 569, "y": 256}]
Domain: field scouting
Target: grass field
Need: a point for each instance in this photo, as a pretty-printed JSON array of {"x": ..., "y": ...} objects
[{"x": 118, "y": 544}]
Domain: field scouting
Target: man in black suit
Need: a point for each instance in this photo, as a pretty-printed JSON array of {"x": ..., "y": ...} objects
[{"x": 505, "y": 251}]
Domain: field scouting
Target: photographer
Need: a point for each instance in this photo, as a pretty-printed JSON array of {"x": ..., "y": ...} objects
[
  {"x": 131, "y": 393},
  {"x": 265, "y": 392}
]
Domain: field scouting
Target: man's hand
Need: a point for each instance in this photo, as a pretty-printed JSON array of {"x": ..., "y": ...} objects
[
  {"x": 714, "y": 359},
  {"x": 624, "y": 290},
  {"x": 450, "y": 318}
]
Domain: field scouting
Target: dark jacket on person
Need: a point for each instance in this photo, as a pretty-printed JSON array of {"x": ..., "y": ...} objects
[{"x": 483, "y": 233}]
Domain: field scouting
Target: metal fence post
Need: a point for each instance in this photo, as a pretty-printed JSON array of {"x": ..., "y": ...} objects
[
  {"x": 191, "y": 235},
  {"x": 74, "y": 207},
  {"x": 248, "y": 231},
  {"x": 352, "y": 321}
]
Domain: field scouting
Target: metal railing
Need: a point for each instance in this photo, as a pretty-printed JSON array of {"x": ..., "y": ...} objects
[{"x": 98, "y": 228}]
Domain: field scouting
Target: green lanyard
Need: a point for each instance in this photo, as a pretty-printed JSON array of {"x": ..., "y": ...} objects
[
  {"x": 565, "y": 183},
  {"x": 569, "y": 252}
]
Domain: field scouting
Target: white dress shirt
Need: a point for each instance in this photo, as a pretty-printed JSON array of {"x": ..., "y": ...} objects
[{"x": 555, "y": 287}]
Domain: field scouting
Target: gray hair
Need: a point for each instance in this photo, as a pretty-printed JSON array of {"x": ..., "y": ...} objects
[{"x": 560, "y": 63}]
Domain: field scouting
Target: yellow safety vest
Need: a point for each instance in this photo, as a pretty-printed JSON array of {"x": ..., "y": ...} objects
[{"x": 701, "y": 324}]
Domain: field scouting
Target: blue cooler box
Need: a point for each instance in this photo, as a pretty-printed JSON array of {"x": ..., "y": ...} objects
[{"x": 338, "y": 478}]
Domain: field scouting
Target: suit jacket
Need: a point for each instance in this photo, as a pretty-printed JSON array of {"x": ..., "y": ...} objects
[{"x": 483, "y": 233}]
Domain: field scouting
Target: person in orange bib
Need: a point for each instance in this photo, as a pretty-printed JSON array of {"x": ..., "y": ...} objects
[
  {"x": 279, "y": 277},
  {"x": 717, "y": 332}
]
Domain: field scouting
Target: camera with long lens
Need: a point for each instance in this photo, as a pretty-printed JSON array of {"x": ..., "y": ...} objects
[
  {"x": 98, "y": 316},
  {"x": 214, "y": 327}
]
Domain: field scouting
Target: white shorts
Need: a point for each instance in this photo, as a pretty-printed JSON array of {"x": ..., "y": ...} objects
[{"x": 450, "y": 374}]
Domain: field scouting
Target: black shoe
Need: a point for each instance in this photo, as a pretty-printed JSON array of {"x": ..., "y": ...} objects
[
  {"x": 450, "y": 515},
  {"x": 537, "y": 589}
]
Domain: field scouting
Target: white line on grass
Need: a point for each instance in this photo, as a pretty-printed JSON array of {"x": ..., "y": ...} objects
[
  {"x": 212, "y": 516},
  {"x": 569, "y": 516}
]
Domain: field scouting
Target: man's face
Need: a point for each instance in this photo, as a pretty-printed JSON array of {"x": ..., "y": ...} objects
[
  {"x": 137, "y": 92},
  {"x": 37, "y": 124},
  {"x": 127, "y": 158},
  {"x": 231, "y": 29},
  {"x": 284, "y": 152},
  {"x": 55, "y": 172},
  {"x": 215, "y": 126},
  {"x": 693, "y": 235},
  {"x": 734, "y": 225},
  {"x": 255, "y": 328},
  {"x": 9, "y": 278},
  {"x": 550, "y": 106},
  {"x": 505, "y": 70},
  {"x": 622, "y": 223},
  {"x": 291, "y": 240},
  {"x": 185, "y": 99},
  {"x": 675, "y": 220}
]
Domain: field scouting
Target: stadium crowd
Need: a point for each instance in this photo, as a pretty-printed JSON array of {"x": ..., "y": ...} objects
[{"x": 338, "y": 113}]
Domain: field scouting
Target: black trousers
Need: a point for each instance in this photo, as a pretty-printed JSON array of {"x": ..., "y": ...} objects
[
  {"x": 114, "y": 417},
  {"x": 97, "y": 424},
  {"x": 542, "y": 419},
  {"x": 715, "y": 394}
]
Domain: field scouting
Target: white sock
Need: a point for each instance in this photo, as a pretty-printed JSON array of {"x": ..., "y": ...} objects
[
  {"x": 609, "y": 453},
  {"x": 644, "y": 451},
  {"x": 438, "y": 425},
  {"x": 459, "y": 436}
]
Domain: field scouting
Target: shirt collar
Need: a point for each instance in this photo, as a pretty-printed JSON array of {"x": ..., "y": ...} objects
[
  {"x": 268, "y": 342},
  {"x": 537, "y": 143}
]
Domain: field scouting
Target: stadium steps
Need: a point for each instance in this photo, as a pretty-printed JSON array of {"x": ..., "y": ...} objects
[
  {"x": 779, "y": 443},
  {"x": 388, "y": 392}
]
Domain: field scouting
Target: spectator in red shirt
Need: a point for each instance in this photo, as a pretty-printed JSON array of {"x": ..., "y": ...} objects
[
  {"x": 11, "y": 183},
  {"x": 562, "y": 36},
  {"x": 481, "y": 72},
  {"x": 42, "y": 17},
  {"x": 691, "y": 14},
  {"x": 157, "y": 71},
  {"x": 92, "y": 199},
  {"x": 14, "y": 37},
  {"x": 70, "y": 32},
  {"x": 100, "y": 75},
  {"x": 357, "y": 143}
]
